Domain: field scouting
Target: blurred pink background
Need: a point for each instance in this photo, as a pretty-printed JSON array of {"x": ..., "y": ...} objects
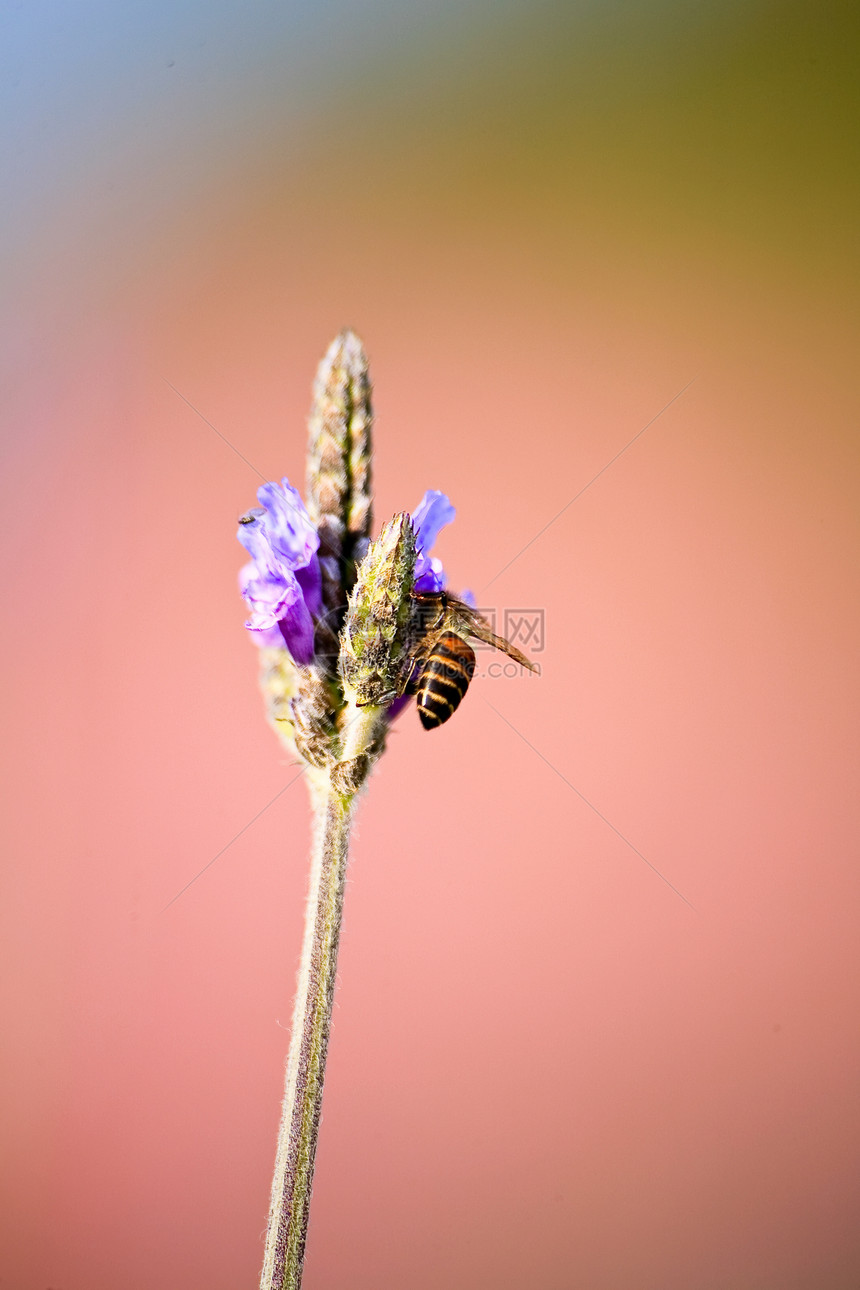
[{"x": 547, "y": 1069}]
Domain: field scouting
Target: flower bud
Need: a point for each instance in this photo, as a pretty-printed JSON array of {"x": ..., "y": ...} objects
[
  {"x": 374, "y": 656},
  {"x": 339, "y": 452}
]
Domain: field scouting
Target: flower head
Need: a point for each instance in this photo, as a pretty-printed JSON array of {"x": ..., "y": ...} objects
[{"x": 281, "y": 583}]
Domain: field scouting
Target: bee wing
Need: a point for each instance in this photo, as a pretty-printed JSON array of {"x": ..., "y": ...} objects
[
  {"x": 472, "y": 624},
  {"x": 481, "y": 632}
]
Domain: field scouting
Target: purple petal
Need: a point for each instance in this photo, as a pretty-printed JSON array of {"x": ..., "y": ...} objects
[
  {"x": 431, "y": 514},
  {"x": 297, "y": 629},
  {"x": 398, "y": 706},
  {"x": 310, "y": 581},
  {"x": 292, "y": 536},
  {"x": 252, "y": 534},
  {"x": 429, "y": 574},
  {"x": 266, "y": 637},
  {"x": 280, "y": 528},
  {"x": 269, "y": 593}
]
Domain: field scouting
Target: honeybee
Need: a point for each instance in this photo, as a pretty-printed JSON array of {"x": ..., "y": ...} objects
[{"x": 442, "y": 659}]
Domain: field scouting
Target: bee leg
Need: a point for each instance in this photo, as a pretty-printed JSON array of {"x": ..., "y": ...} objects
[{"x": 381, "y": 702}]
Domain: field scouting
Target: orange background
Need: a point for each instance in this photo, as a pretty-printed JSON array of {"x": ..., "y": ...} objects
[{"x": 546, "y": 1069}]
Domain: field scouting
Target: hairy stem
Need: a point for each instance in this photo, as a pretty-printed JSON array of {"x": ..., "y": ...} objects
[{"x": 297, "y": 1138}]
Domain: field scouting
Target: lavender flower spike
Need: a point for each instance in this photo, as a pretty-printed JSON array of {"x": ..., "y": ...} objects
[
  {"x": 369, "y": 626},
  {"x": 282, "y": 583}
]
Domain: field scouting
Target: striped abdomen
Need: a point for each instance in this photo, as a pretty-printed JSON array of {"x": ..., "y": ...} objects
[{"x": 444, "y": 679}]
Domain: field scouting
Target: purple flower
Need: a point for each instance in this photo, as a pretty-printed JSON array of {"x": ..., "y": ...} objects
[
  {"x": 281, "y": 583},
  {"x": 431, "y": 514}
]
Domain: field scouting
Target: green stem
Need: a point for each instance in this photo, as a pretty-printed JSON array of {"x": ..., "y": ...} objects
[{"x": 297, "y": 1138}]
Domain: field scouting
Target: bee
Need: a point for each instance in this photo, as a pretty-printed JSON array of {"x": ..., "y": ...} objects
[{"x": 442, "y": 659}]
